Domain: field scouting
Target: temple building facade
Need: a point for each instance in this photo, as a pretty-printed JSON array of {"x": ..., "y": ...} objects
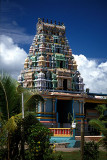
[
  {"x": 51, "y": 69},
  {"x": 50, "y": 64}
]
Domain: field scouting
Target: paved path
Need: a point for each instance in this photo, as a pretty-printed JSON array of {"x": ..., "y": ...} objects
[
  {"x": 74, "y": 149},
  {"x": 67, "y": 149}
]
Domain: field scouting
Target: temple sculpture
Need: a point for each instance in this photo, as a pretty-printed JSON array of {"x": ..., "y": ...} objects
[{"x": 50, "y": 64}]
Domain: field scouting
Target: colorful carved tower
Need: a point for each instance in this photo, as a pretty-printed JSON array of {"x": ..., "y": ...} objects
[
  {"x": 50, "y": 64},
  {"x": 51, "y": 69}
]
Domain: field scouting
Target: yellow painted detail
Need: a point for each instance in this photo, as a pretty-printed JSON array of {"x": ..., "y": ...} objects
[
  {"x": 62, "y": 135},
  {"x": 96, "y": 101},
  {"x": 45, "y": 118}
]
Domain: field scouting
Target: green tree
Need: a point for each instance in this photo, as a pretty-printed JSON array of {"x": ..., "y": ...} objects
[
  {"x": 36, "y": 138},
  {"x": 101, "y": 124},
  {"x": 91, "y": 151},
  {"x": 16, "y": 136},
  {"x": 38, "y": 142},
  {"x": 10, "y": 107}
]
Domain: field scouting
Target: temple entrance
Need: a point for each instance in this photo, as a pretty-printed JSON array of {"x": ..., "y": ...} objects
[
  {"x": 63, "y": 108},
  {"x": 65, "y": 84},
  {"x": 58, "y": 49},
  {"x": 61, "y": 64}
]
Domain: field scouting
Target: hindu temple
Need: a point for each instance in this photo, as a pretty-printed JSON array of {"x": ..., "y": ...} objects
[{"x": 51, "y": 69}]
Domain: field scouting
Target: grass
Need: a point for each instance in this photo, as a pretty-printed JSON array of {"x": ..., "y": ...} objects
[{"x": 76, "y": 155}]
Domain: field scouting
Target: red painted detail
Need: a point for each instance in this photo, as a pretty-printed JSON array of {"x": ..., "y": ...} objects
[{"x": 62, "y": 131}]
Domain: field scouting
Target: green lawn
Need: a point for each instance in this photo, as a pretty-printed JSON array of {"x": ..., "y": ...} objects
[{"x": 76, "y": 155}]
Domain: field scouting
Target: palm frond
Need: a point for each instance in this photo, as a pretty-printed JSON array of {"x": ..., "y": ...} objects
[
  {"x": 32, "y": 100},
  {"x": 10, "y": 95},
  {"x": 11, "y": 124},
  {"x": 101, "y": 109},
  {"x": 97, "y": 124}
]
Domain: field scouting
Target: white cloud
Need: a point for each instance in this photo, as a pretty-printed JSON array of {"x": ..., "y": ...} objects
[
  {"x": 15, "y": 32},
  {"x": 9, "y": 12},
  {"x": 11, "y": 56},
  {"x": 94, "y": 74},
  {"x": 12, "y": 59}
]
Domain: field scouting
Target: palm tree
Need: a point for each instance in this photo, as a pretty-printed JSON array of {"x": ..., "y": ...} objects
[
  {"x": 101, "y": 124},
  {"x": 10, "y": 105}
]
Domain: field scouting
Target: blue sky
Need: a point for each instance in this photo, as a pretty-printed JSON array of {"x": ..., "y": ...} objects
[
  {"x": 85, "y": 21},
  {"x": 86, "y": 31}
]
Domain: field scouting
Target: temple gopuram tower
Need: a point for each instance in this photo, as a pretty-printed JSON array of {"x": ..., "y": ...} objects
[{"x": 50, "y": 64}]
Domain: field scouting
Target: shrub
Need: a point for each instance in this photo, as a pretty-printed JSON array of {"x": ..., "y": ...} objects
[
  {"x": 91, "y": 151},
  {"x": 38, "y": 142},
  {"x": 59, "y": 157},
  {"x": 3, "y": 154}
]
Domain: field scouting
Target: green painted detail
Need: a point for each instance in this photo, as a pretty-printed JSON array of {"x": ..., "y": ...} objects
[
  {"x": 54, "y": 85},
  {"x": 53, "y": 76},
  {"x": 54, "y": 80},
  {"x": 57, "y": 64},
  {"x": 60, "y": 57},
  {"x": 33, "y": 58},
  {"x": 53, "y": 49},
  {"x": 60, "y": 61},
  {"x": 73, "y": 85},
  {"x": 36, "y": 75}
]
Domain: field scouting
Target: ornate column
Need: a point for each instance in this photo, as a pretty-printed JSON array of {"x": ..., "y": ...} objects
[
  {"x": 53, "y": 105},
  {"x": 40, "y": 106},
  {"x": 62, "y": 83},
  {"x": 80, "y": 107},
  {"x": 83, "y": 106},
  {"x": 45, "y": 105}
]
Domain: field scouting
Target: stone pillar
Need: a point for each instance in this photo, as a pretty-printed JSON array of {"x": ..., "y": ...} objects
[
  {"x": 45, "y": 105},
  {"x": 80, "y": 107},
  {"x": 53, "y": 105},
  {"x": 83, "y": 107},
  {"x": 62, "y": 83},
  {"x": 40, "y": 106}
]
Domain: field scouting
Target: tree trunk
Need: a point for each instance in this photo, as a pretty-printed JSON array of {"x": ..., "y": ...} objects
[
  {"x": 82, "y": 138},
  {"x": 8, "y": 146},
  {"x": 22, "y": 143}
]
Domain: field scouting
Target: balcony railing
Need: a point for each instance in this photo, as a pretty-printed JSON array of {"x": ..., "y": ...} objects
[{"x": 61, "y": 132}]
